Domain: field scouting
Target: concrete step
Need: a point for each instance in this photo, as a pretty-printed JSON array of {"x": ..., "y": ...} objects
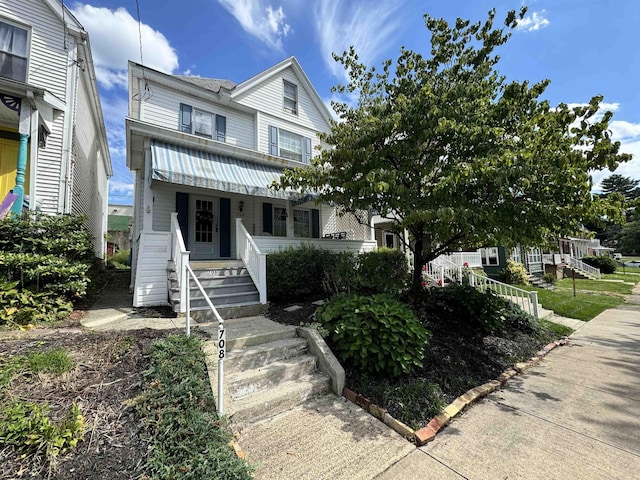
[
  {"x": 222, "y": 281},
  {"x": 234, "y": 311},
  {"x": 260, "y": 355},
  {"x": 286, "y": 395},
  {"x": 272, "y": 375},
  {"x": 206, "y": 273},
  {"x": 225, "y": 299},
  {"x": 222, "y": 290}
]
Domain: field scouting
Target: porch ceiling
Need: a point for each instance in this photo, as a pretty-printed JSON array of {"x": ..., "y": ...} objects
[{"x": 185, "y": 166}]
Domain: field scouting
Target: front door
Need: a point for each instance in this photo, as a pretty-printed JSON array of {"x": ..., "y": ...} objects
[{"x": 204, "y": 228}]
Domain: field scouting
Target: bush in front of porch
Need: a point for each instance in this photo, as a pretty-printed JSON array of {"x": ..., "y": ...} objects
[{"x": 310, "y": 271}]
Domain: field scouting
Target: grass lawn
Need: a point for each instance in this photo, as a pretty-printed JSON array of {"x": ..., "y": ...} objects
[
  {"x": 619, "y": 275},
  {"x": 584, "y": 306},
  {"x": 595, "y": 286}
]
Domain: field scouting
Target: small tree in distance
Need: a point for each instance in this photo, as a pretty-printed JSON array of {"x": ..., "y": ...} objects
[{"x": 449, "y": 150}]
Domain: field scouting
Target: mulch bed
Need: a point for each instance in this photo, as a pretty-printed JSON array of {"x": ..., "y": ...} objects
[{"x": 106, "y": 374}]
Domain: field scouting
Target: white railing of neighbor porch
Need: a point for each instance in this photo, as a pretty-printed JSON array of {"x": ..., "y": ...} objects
[
  {"x": 528, "y": 301},
  {"x": 472, "y": 259},
  {"x": 253, "y": 258},
  {"x": 180, "y": 257},
  {"x": 442, "y": 269},
  {"x": 580, "y": 265}
]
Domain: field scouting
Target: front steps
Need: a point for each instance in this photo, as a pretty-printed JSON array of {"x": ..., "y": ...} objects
[
  {"x": 540, "y": 282},
  {"x": 268, "y": 370},
  {"x": 227, "y": 284},
  {"x": 568, "y": 273}
]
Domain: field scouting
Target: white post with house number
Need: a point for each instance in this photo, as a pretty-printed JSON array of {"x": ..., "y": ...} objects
[{"x": 222, "y": 353}]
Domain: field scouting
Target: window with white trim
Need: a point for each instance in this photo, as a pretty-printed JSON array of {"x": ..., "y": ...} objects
[
  {"x": 203, "y": 124},
  {"x": 279, "y": 222},
  {"x": 286, "y": 144},
  {"x": 13, "y": 52},
  {"x": 290, "y": 97},
  {"x": 489, "y": 256},
  {"x": 302, "y": 223}
]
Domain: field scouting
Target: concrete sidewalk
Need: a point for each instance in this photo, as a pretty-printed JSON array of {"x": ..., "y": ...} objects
[{"x": 576, "y": 415}]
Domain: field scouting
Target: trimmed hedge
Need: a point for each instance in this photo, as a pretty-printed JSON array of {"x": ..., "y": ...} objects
[{"x": 605, "y": 264}]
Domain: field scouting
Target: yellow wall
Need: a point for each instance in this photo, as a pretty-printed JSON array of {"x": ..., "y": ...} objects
[{"x": 8, "y": 162}]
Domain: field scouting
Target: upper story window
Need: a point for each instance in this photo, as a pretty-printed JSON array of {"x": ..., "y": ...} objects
[
  {"x": 290, "y": 97},
  {"x": 489, "y": 256},
  {"x": 203, "y": 124},
  {"x": 283, "y": 143},
  {"x": 13, "y": 52}
]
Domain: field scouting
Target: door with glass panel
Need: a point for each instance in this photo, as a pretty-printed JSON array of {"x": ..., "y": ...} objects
[{"x": 204, "y": 228}]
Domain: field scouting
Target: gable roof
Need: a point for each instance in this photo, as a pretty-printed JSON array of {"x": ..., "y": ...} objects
[
  {"x": 64, "y": 14},
  {"x": 212, "y": 84},
  {"x": 291, "y": 62}
]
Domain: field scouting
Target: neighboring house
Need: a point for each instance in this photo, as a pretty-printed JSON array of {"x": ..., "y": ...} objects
[
  {"x": 119, "y": 224},
  {"x": 204, "y": 153},
  {"x": 53, "y": 147}
]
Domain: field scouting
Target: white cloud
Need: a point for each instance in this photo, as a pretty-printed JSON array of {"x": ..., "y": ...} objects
[
  {"x": 368, "y": 26},
  {"x": 121, "y": 188},
  {"x": 115, "y": 39},
  {"x": 260, "y": 20},
  {"x": 622, "y": 129},
  {"x": 534, "y": 21}
]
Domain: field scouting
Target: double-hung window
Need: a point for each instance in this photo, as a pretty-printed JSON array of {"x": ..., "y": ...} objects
[
  {"x": 301, "y": 223},
  {"x": 203, "y": 124},
  {"x": 290, "y": 97},
  {"x": 283, "y": 143},
  {"x": 489, "y": 256},
  {"x": 13, "y": 52},
  {"x": 279, "y": 222}
]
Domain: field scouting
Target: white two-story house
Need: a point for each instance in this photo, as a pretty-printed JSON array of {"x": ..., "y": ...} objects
[
  {"x": 205, "y": 153},
  {"x": 54, "y": 156}
]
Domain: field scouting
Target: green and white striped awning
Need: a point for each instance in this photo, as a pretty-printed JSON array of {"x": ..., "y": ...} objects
[{"x": 186, "y": 166}]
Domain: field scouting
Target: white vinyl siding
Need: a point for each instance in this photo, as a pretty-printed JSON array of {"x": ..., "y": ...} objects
[
  {"x": 48, "y": 60},
  {"x": 162, "y": 109},
  {"x": 267, "y": 98},
  {"x": 48, "y": 175}
]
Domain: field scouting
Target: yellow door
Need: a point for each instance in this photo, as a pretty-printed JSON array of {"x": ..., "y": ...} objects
[{"x": 8, "y": 162}]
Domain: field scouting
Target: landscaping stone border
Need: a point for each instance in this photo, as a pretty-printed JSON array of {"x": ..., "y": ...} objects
[{"x": 437, "y": 423}]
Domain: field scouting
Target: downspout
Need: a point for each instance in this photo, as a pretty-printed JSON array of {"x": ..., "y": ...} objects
[{"x": 64, "y": 197}]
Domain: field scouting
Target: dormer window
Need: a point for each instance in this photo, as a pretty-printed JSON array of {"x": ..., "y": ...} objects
[
  {"x": 13, "y": 52},
  {"x": 290, "y": 97}
]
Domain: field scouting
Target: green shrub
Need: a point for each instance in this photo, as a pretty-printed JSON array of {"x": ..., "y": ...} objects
[
  {"x": 382, "y": 271},
  {"x": 514, "y": 273},
  {"x": 470, "y": 311},
  {"x": 550, "y": 278},
  {"x": 44, "y": 262},
  {"x": 605, "y": 264},
  {"x": 340, "y": 273},
  {"x": 296, "y": 272},
  {"x": 374, "y": 333},
  {"x": 120, "y": 260}
]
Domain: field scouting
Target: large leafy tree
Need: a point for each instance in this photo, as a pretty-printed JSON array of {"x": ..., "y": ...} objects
[{"x": 448, "y": 149}]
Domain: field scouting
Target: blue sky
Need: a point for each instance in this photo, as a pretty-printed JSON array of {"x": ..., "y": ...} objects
[{"x": 585, "y": 47}]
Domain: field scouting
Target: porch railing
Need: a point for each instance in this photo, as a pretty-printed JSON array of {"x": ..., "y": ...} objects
[
  {"x": 472, "y": 259},
  {"x": 442, "y": 269},
  {"x": 528, "y": 301},
  {"x": 580, "y": 265},
  {"x": 253, "y": 258},
  {"x": 180, "y": 257}
]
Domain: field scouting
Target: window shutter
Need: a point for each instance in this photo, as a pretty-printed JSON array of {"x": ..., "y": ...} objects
[
  {"x": 267, "y": 218},
  {"x": 273, "y": 140},
  {"x": 182, "y": 208},
  {"x": 315, "y": 223},
  {"x": 225, "y": 227},
  {"x": 307, "y": 150},
  {"x": 185, "y": 118},
  {"x": 221, "y": 128}
]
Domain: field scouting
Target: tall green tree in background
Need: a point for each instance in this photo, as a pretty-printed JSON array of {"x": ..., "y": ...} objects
[
  {"x": 624, "y": 185},
  {"x": 447, "y": 148}
]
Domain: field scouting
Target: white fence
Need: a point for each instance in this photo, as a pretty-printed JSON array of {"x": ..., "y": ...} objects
[{"x": 528, "y": 301}]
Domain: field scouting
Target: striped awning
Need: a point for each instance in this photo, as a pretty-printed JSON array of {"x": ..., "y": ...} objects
[{"x": 195, "y": 168}]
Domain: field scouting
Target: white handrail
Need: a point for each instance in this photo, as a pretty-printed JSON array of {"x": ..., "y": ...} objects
[
  {"x": 222, "y": 337},
  {"x": 253, "y": 258},
  {"x": 180, "y": 257},
  {"x": 527, "y": 300},
  {"x": 580, "y": 265},
  {"x": 442, "y": 268}
]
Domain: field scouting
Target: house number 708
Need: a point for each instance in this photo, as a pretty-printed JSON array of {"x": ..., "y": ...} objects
[{"x": 222, "y": 340}]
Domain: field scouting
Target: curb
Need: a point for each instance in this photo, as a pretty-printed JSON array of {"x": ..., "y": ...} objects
[{"x": 455, "y": 408}]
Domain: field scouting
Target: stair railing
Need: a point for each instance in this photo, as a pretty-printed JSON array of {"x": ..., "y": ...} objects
[
  {"x": 528, "y": 301},
  {"x": 180, "y": 257},
  {"x": 580, "y": 265},
  {"x": 222, "y": 334},
  {"x": 443, "y": 269}
]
